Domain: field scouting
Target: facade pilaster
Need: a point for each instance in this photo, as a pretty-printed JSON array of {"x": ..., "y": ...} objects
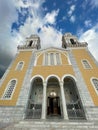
[
  {"x": 44, "y": 101},
  {"x": 63, "y": 101}
]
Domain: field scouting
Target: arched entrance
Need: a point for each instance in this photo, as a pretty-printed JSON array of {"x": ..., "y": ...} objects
[
  {"x": 34, "y": 109},
  {"x": 53, "y": 98},
  {"x": 73, "y": 101}
]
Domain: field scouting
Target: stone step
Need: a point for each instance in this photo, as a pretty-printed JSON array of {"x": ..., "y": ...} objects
[{"x": 49, "y": 125}]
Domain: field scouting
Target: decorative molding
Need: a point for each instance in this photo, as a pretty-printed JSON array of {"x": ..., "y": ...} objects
[
  {"x": 69, "y": 75},
  {"x": 37, "y": 76},
  {"x": 52, "y": 75}
]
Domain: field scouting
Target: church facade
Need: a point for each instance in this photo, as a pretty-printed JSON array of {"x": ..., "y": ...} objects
[{"x": 50, "y": 83}]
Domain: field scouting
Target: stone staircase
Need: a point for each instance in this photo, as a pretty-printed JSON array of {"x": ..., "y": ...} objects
[{"x": 52, "y": 125}]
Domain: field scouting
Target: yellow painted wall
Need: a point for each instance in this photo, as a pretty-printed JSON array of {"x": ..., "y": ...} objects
[
  {"x": 19, "y": 75},
  {"x": 50, "y": 70},
  {"x": 64, "y": 59},
  {"x": 87, "y": 73},
  {"x": 40, "y": 59}
]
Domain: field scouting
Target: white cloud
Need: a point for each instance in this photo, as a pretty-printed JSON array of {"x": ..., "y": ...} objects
[
  {"x": 88, "y": 23},
  {"x": 72, "y": 9},
  {"x": 72, "y": 18},
  {"x": 9, "y": 14},
  {"x": 51, "y": 17},
  {"x": 8, "y": 44},
  {"x": 91, "y": 37},
  {"x": 64, "y": 18},
  {"x": 54, "y": 37},
  {"x": 94, "y": 3}
]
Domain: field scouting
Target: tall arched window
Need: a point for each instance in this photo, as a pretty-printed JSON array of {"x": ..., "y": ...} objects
[
  {"x": 52, "y": 59},
  {"x": 10, "y": 89},
  {"x": 58, "y": 59},
  {"x": 86, "y": 64},
  {"x": 95, "y": 84},
  {"x": 46, "y": 59},
  {"x": 20, "y": 65}
]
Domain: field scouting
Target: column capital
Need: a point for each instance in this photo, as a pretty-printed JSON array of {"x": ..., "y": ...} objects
[
  {"x": 45, "y": 83},
  {"x": 61, "y": 83}
]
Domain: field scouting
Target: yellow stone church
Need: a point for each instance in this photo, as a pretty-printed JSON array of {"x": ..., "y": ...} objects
[{"x": 52, "y": 83}]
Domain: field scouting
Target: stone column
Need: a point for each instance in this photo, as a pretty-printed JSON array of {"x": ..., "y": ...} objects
[
  {"x": 44, "y": 101},
  {"x": 63, "y": 101}
]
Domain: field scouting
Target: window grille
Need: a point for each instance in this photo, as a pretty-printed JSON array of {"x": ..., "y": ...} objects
[
  {"x": 10, "y": 89},
  {"x": 20, "y": 66},
  {"x": 86, "y": 64},
  {"x": 95, "y": 84}
]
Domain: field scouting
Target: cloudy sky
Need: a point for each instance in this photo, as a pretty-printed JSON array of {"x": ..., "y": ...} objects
[{"x": 50, "y": 19}]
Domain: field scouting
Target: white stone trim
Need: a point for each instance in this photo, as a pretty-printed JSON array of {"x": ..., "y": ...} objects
[
  {"x": 68, "y": 75},
  {"x": 36, "y": 58},
  {"x": 19, "y": 50},
  {"x": 93, "y": 84},
  {"x": 52, "y": 75},
  {"x": 69, "y": 60},
  {"x": 76, "y": 48},
  {"x": 37, "y": 76},
  {"x": 7, "y": 89}
]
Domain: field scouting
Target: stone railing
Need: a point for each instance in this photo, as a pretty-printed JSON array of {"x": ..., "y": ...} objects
[
  {"x": 25, "y": 47},
  {"x": 78, "y": 44}
]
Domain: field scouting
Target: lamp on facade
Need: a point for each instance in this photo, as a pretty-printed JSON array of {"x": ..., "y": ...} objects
[{"x": 53, "y": 94}]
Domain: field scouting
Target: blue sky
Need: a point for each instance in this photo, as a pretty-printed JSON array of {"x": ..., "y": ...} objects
[{"x": 50, "y": 19}]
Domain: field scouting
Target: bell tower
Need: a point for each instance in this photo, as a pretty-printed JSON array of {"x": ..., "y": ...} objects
[
  {"x": 69, "y": 40},
  {"x": 32, "y": 42}
]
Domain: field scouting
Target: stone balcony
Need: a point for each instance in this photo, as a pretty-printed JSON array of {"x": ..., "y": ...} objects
[
  {"x": 22, "y": 47},
  {"x": 78, "y": 44}
]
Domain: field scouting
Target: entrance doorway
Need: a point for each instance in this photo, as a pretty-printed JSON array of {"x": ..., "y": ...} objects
[
  {"x": 53, "y": 98},
  {"x": 53, "y": 106}
]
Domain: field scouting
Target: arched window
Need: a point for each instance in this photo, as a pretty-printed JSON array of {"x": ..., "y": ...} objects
[
  {"x": 58, "y": 59},
  {"x": 95, "y": 84},
  {"x": 10, "y": 89},
  {"x": 52, "y": 59},
  {"x": 86, "y": 64},
  {"x": 20, "y": 65},
  {"x": 46, "y": 59}
]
